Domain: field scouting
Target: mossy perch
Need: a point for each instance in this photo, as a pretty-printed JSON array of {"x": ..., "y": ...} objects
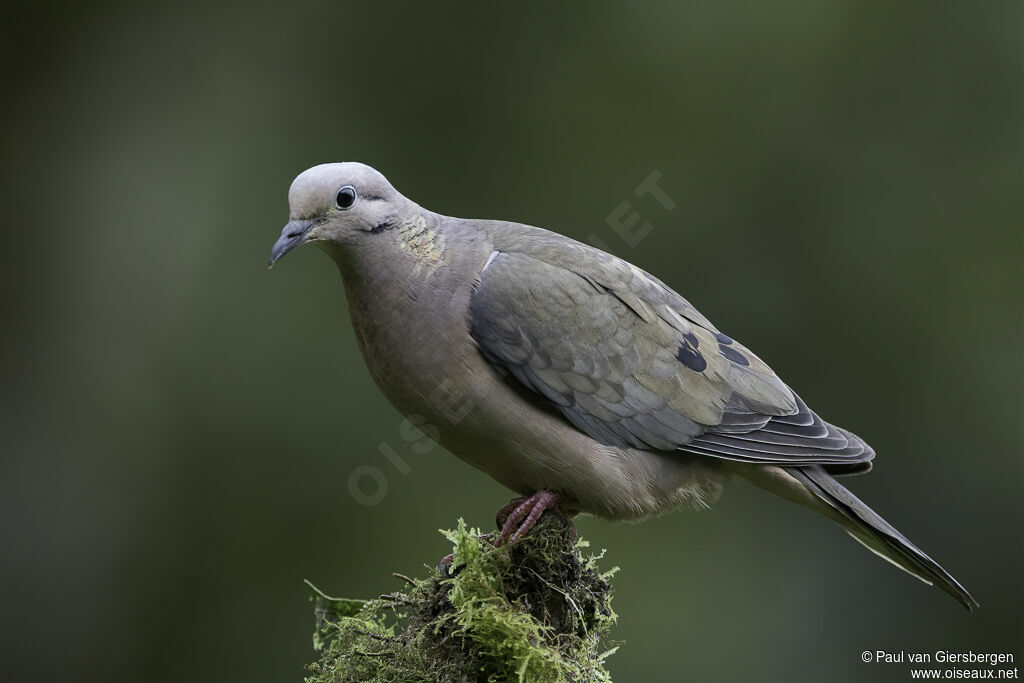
[{"x": 537, "y": 610}]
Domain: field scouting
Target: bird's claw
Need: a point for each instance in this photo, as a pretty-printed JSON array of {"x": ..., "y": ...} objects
[
  {"x": 445, "y": 565},
  {"x": 521, "y": 514},
  {"x": 502, "y": 514}
]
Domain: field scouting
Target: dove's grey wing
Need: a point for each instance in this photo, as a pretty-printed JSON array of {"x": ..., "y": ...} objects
[{"x": 632, "y": 364}]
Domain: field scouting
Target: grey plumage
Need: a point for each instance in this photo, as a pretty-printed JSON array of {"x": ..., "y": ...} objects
[
  {"x": 876, "y": 534},
  {"x": 577, "y": 372}
]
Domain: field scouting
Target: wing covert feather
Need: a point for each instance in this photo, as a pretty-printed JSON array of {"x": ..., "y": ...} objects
[{"x": 631, "y": 363}]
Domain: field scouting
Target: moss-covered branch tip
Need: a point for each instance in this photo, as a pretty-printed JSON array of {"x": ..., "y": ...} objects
[{"x": 538, "y": 610}]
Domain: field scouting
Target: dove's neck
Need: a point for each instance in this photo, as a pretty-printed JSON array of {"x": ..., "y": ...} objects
[
  {"x": 402, "y": 261},
  {"x": 408, "y": 289}
]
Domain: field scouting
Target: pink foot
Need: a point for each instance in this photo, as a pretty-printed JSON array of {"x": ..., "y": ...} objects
[
  {"x": 521, "y": 514},
  {"x": 502, "y": 514}
]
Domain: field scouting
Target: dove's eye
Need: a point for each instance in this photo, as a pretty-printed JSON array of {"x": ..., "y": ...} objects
[{"x": 346, "y": 197}]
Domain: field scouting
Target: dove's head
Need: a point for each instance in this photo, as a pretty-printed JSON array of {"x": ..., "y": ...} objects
[{"x": 337, "y": 204}]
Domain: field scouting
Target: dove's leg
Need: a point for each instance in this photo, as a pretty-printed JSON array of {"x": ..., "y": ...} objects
[
  {"x": 502, "y": 514},
  {"x": 524, "y": 515}
]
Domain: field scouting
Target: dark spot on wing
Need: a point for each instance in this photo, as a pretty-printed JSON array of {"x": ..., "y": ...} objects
[
  {"x": 691, "y": 358},
  {"x": 723, "y": 339},
  {"x": 692, "y": 339},
  {"x": 733, "y": 355}
]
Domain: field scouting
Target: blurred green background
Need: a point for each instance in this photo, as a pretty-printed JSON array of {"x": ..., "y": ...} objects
[{"x": 179, "y": 424}]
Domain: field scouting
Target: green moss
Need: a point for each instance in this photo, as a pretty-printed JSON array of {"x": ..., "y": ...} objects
[{"x": 534, "y": 611}]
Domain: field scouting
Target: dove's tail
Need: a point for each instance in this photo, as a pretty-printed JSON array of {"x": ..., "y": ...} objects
[{"x": 812, "y": 487}]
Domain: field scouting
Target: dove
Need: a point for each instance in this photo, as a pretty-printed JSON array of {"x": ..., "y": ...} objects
[{"x": 576, "y": 379}]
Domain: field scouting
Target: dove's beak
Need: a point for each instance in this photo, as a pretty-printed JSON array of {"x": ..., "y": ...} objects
[{"x": 292, "y": 236}]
